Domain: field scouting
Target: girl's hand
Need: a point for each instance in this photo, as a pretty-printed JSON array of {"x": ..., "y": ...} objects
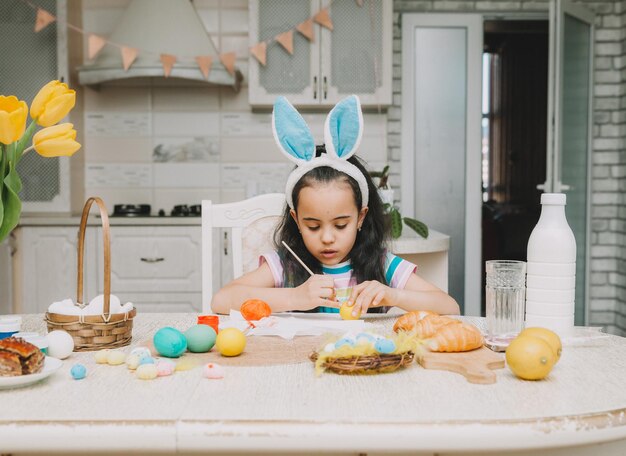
[
  {"x": 371, "y": 293},
  {"x": 318, "y": 290}
]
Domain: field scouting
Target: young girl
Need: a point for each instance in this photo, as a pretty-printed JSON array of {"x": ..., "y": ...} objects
[{"x": 334, "y": 222}]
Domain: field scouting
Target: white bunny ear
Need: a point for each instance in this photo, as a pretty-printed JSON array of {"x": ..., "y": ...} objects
[
  {"x": 343, "y": 128},
  {"x": 291, "y": 132}
]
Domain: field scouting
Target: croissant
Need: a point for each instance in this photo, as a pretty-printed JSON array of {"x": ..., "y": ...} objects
[
  {"x": 455, "y": 338},
  {"x": 431, "y": 324},
  {"x": 407, "y": 321}
]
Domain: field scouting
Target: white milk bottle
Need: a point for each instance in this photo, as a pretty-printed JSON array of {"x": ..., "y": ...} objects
[{"x": 551, "y": 269}]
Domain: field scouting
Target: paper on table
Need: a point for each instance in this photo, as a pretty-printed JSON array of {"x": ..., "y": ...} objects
[{"x": 288, "y": 327}]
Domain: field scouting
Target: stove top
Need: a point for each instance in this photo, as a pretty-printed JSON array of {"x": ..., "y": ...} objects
[{"x": 145, "y": 210}]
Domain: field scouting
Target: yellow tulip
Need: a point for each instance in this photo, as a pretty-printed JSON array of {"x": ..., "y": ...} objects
[
  {"x": 53, "y": 102},
  {"x": 13, "y": 113},
  {"x": 56, "y": 141}
]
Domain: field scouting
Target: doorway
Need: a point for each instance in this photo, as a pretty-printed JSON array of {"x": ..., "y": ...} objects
[{"x": 514, "y": 129}]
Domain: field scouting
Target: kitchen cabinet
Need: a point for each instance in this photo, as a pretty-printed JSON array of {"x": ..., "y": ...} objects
[
  {"x": 45, "y": 266},
  {"x": 157, "y": 268},
  {"x": 354, "y": 58},
  {"x": 29, "y": 61}
]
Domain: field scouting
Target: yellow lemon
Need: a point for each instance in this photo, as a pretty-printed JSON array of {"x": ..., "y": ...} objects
[
  {"x": 230, "y": 342},
  {"x": 530, "y": 357},
  {"x": 549, "y": 336},
  {"x": 346, "y": 312}
]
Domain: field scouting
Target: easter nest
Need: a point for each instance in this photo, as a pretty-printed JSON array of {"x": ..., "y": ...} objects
[
  {"x": 364, "y": 358},
  {"x": 365, "y": 364}
]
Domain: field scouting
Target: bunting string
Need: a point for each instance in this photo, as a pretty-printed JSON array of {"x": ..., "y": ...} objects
[{"x": 95, "y": 43}]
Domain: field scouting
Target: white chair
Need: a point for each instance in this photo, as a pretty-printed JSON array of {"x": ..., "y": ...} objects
[{"x": 252, "y": 222}]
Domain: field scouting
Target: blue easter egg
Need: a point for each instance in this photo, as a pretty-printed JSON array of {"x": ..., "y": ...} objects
[
  {"x": 200, "y": 338},
  {"x": 146, "y": 360},
  {"x": 385, "y": 346},
  {"x": 169, "y": 342},
  {"x": 78, "y": 371},
  {"x": 344, "y": 341}
]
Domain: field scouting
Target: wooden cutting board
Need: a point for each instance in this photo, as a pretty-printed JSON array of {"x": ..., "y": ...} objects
[{"x": 476, "y": 365}]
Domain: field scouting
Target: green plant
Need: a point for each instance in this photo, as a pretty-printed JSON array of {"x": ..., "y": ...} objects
[{"x": 394, "y": 212}]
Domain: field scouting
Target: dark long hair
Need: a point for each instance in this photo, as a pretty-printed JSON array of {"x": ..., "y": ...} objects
[{"x": 367, "y": 255}]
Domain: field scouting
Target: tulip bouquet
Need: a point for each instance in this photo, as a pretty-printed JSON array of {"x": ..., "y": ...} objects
[{"x": 53, "y": 102}]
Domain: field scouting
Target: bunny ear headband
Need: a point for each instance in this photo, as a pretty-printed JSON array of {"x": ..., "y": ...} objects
[{"x": 342, "y": 134}]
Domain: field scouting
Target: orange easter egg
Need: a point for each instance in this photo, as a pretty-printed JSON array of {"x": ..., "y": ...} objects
[{"x": 255, "y": 309}]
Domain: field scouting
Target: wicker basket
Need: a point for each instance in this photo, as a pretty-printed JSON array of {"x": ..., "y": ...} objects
[
  {"x": 95, "y": 332},
  {"x": 366, "y": 364}
]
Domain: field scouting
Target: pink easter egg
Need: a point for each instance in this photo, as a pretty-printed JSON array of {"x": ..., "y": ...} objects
[
  {"x": 213, "y": 371},
  {"x": 165, "y": 368}
]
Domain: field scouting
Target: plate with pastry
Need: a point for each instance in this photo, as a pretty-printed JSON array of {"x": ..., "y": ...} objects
[{"x": 22, "y": 363}]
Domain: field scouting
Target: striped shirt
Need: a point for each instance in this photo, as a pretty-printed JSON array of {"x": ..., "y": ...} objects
[{"x": 397, "y": 273}]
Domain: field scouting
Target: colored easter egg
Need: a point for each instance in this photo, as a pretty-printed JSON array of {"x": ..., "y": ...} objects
[
  {"x": 344, "y": 341},
  {"x": 60, "y": 344},
  {"x": 132, "y": 361},
  {"x": 165, "y": 368},
  {"x": 147, "y": 360},
  {"x": 102, "y": 356},
  {"x": 230, "y": 342},
  {"x": 200, "y": 338},
  {"x": 147, "y": 371},
  {"x": 345, "y": 311},
  {"x": 116, "y": 357},
  {"x": 141, "y": 352},
  {"x": 78, "y": 371},
  {"x": 169, "y": 342},
  {"x": 255, "y": 309},
  {"x": 385, "y": 346},
  {"x": 213, "y": 371}
]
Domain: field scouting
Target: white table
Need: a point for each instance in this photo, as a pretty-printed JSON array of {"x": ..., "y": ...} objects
[{"x": 582, "y": 406}]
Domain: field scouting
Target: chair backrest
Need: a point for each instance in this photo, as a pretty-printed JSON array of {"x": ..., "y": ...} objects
[{"x": 252, "y": 222}]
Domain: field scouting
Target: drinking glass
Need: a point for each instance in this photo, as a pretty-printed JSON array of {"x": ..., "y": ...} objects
[{"x": 505, "y": 295}]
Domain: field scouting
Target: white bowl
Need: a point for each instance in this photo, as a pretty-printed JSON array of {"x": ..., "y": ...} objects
[
  {"x": 551, "y": 269},
  {"x": 544, "y": 309},
  {"x": 563, "y": 326},
  {"x": 551, "y": 296},
  {"x": 550, "y": 282}
]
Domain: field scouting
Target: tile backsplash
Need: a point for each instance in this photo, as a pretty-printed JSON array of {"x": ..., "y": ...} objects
[{"x": 161, "y": 144}]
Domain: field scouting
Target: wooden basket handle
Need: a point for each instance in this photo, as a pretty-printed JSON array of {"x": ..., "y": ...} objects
[{"x": 106, "y": 237}]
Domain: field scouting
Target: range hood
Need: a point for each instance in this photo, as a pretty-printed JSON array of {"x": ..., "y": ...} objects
[{"x": 156, "y": 27}]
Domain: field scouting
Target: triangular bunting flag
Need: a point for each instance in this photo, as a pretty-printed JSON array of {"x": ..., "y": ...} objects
[
  {"x": 306, "y": 28},
  {"x": 323, "y": 19},
  {"x": 168, "y": 62},
  {"x": 286, "y": 40},
  {"x": 259, "y": 51},
  {"x": 44, "y": 18},
  {"x": 128, "y": 56},
  {"x": 228, "y": 60},
  {"x": 204, "y": 62},
  {"x": 95, "y": 44}
]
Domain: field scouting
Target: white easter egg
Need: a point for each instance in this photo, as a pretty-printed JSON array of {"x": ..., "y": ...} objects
[{"x": 60, "y": 344}]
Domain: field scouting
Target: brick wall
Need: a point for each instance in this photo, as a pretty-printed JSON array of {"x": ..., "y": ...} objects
[{"x": 608, "y": 229}]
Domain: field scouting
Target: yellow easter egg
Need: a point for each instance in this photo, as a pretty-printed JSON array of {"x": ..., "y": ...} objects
[
  {"x": 230, "y": 342},
  {"x": 346, "y": 312}
]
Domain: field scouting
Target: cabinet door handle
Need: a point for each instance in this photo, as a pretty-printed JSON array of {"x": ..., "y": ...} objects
[
  {"x": 325, "y": 88},
  {"x": 315, "y": 87},
  {"x": 152, "y": 260}
]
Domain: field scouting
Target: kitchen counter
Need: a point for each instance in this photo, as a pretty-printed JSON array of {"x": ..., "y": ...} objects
[
  {"x": 94, "y": 220},
  {"x": 580, "y": 408}
]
